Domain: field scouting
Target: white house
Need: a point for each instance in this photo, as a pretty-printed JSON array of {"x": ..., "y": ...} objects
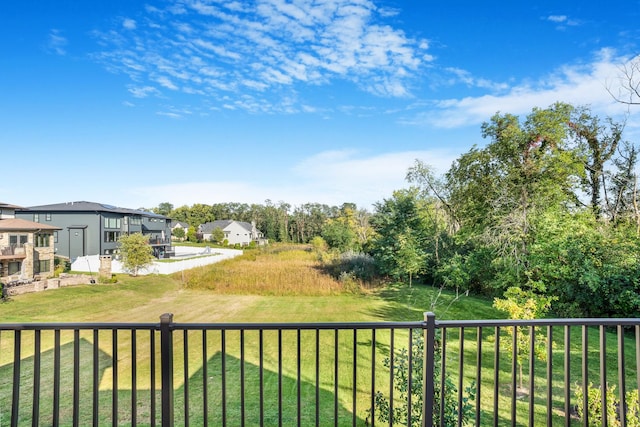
[{"x": 235, "y": 232}]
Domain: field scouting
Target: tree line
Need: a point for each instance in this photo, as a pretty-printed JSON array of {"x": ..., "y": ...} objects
[{"x": 546, "y": 210}]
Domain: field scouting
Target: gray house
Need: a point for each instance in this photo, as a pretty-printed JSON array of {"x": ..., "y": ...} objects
[{"x": 89, "y": 228}]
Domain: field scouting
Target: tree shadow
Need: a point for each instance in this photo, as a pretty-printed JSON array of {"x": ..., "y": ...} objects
[{"x": 243, "y": 400}]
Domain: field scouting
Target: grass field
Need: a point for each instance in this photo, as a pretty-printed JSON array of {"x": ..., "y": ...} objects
[{"x": 282, "y": 285}]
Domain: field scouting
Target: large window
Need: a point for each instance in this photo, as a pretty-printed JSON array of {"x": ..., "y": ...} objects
[
  {"x": 18, "y": 240},
  {"x": 14, "y": 268},
  {"x": 42, "y": 266},
  {"x": 42, "y": 240},
  {"x": 112, "y": 223},
  {"x": 111, "y": 236},
  {"x": 136, "y": 220}
]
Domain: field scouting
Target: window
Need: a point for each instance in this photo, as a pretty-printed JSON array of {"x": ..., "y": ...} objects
[
  {"x": 42, "y": 240},
  {"x": 47, "y": 216},
  {"x": 18, "y": 240},
  {"x": 112, "y": 223},
  {"x": 42, "y": 266},
  {"x": 36, "y": 217},
  {"x": 55, "y": 237},
  {"x": 14, "y": 268},
  {"x": 111, "y": 236},
  {"x": 136, "y": 220}
]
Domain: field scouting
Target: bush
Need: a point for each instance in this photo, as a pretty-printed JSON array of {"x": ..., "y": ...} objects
[{"x": 594, "y": 410}]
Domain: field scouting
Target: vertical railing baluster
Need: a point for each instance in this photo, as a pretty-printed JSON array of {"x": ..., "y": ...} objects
[
  {"x": 76, "y": 377},
  {"x": 35, "y": 412},
  {"x": 514, "y": 367},
  {"x": 134, "y": 375},
  {"x": 96, "y": 377},
  {"x": 428, "y": 373},
  {"x": 242, "y": 379},
  {"x": 373, "y": 376},
  {"x": 460, "y": 375},
  {"x": 15, "y": 396},
  {"x": 567, "y": 376},
  {"x": 317, "y": 377},
  {"x": 496, "y": 376},
  {"x": 114, "y": 378},
  {"x": 336, "y": 383},
  {"x": 532, "y": 358},
  {"x": 185, "y": 375},
  {"x": 56, "y": 378},
  {"x": 261, "y": 374},
  {"x": 205, "y": 378},
  {"x": 549, "y": 376},
  {"x": 223, "y": 345},
  {"x": 152, "y": 403},
  {"x": 585, "y": 375},
  {"x": 354, "y": 418},
  {"x": 622, "y": 381},
  {"x": 410, "y": 379},
  {"x": 298, "y": 377},
  {"x": 603, "y": 374},
  {"x": 478, "y": 376},
  {"x": 392, "y": 352},
  {"x": 280, "y": 377},
  {"x": 443, "y": 370},
  {"x": 166, "y": 360}
]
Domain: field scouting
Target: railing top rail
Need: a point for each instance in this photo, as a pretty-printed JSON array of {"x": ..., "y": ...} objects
[
  {"x": 74, "y": 326},
  {"x": 324, "y": 325},
  {"x": 537, "y": 322}
]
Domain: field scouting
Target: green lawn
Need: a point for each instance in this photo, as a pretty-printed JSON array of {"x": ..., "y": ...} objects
[{"x": 144, "y": 299}]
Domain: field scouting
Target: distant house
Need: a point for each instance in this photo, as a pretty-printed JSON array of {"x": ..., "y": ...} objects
[
  {"x": 235, "y": 232},
  {"x": 88, "y": 228},
  {"x": 26, "y": 247},
  {"x": 175, "y": 225}
]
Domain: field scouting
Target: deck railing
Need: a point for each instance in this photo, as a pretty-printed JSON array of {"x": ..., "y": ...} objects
[{"x": 322, "y": 374}]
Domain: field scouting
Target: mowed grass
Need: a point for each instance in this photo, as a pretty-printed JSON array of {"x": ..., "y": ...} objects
[
  {"x": 282, "y": 285},
  {"x": 287, "y": 285}
]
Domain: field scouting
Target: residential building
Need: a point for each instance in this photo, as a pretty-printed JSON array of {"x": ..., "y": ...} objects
[
  {"x": 88, "y": 228},
  {"x": 175, "y": 225},
  {"x": 26, "y": 247},
  {"x": 235, "y": 232}
]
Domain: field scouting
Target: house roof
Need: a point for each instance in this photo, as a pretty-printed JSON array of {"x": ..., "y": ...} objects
[
  {"x": 208, "y": 227},
  {"x": 83, "y": 206},
  {"x": 16, "y": 224},
  {"x": 8, "y": 206},
  {"x": 179, "y": 223}
]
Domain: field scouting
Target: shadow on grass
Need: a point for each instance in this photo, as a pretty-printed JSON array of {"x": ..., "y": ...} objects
[{"x": 288, "y": 398}]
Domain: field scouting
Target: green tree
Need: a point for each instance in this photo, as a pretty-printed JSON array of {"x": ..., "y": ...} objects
[
  {"x": 217, "y": 235},
  {"x": 179, "y": 233},
  {"x": 135, "y": 251},
  {"x": 164, "y": 208}
]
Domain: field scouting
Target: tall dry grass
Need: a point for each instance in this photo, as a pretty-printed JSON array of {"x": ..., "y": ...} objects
[{"x": 275, "y": 270}]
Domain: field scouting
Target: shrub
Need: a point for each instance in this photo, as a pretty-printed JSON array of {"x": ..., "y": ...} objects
[
  {"x": 595, "y": 412},
  {"x": 401, "y": 411}
]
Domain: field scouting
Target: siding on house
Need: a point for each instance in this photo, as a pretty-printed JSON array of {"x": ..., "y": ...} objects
[{"x": 88, "y": 228}]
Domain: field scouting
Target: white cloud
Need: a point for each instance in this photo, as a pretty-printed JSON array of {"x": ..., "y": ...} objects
[
  {"x": 578, "y": 84},
  {"x": 273, "y": 44},
  {"x": 129, "y": 24},
  {"x": 56, "y": 43},
  {"x": 332, "y": 178}
]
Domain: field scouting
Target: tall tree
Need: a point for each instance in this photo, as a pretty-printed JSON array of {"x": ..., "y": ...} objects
[{"x": 598, "y": 142}]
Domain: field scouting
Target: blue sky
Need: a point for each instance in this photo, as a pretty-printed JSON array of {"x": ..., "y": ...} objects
[{"x": 135, "y": 103}]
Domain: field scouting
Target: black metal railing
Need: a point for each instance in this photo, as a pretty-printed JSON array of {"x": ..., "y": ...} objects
[{"x": 496, "y": 372}]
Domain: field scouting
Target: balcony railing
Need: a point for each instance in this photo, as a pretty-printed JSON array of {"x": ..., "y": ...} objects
[
  {"x": 13, "y": 251},
  {"x": 322, "y": 374}
]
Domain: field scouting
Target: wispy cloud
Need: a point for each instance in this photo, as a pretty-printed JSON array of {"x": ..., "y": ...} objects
[
  {"x": 331, "y": 177},
  {"x": 578, "y": 84},
  {"x": 264, "y": 47},
  {"x": 56, "y": 43},
  {"x": 562, "y": 21}
]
